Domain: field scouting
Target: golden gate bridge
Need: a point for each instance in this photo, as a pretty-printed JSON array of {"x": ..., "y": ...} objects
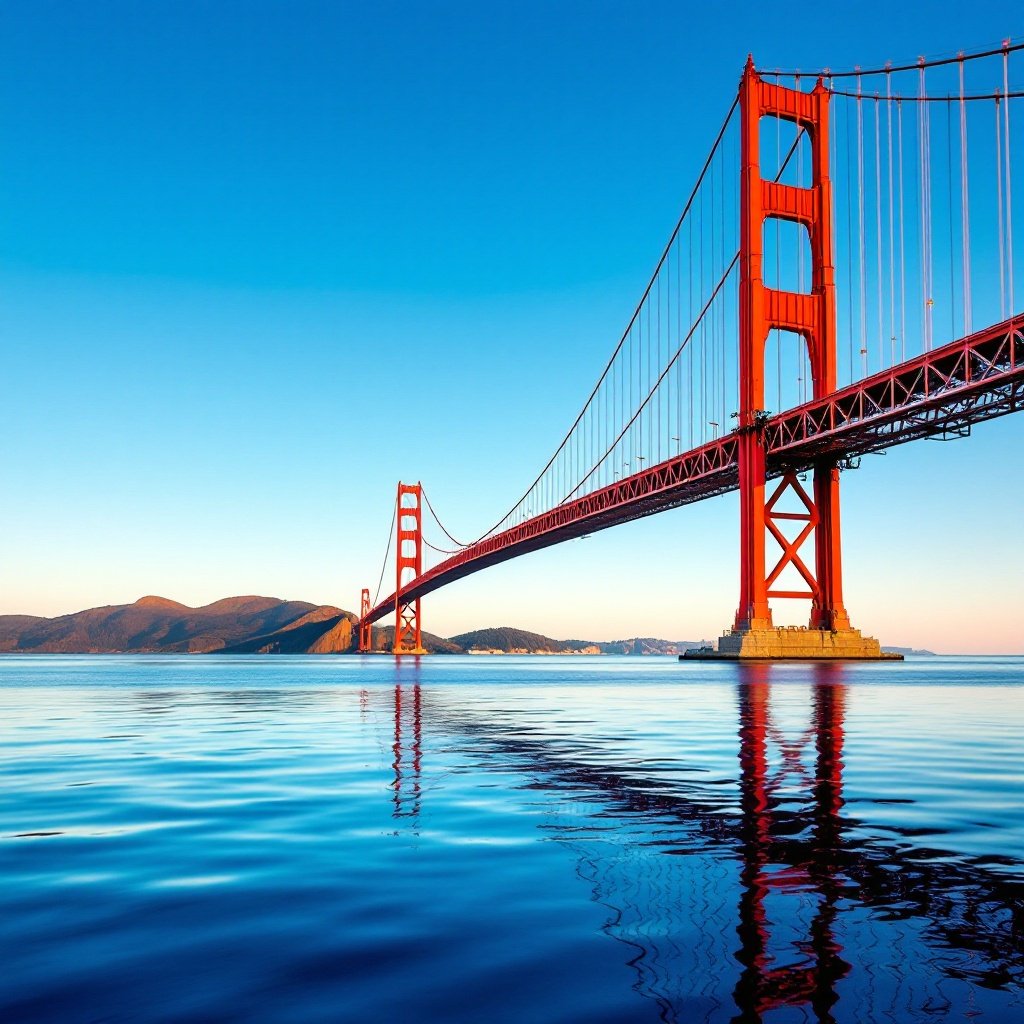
[{"x": 841, "y": 280}]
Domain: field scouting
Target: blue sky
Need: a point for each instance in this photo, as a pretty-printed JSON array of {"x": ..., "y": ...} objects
[{"x": 258, "y": 261}]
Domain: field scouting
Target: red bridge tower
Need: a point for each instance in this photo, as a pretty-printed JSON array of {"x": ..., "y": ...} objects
[
  {"x": 365, "y": 629},
  {"x": 812, "y": 316},
  {"x": 408, "y": 566}
]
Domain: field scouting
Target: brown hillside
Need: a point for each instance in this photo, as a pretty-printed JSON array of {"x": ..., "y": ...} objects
[
  {"x": 152, "y": 625},
  {"x": 324, "y": 630},
  {"x": 152, "y": 601}
]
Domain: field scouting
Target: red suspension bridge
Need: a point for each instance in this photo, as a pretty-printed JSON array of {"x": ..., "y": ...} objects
[{"x": 841, "y": 280}]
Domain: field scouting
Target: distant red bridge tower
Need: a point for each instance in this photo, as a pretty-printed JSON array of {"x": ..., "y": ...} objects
[{"x": 408, "y": 567}]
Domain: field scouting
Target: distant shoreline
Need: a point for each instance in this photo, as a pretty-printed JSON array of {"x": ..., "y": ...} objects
[{"x": 253, "y": 624}]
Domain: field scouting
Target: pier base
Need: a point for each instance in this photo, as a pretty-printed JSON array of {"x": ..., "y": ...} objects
[{"x": 793, "y": 643}]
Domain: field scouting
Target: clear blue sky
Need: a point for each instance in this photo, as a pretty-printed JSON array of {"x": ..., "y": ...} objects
[{"x": 258, "y": 261}]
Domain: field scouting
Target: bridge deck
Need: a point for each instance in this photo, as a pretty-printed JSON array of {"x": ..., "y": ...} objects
[{"x": 939, "y": 393}]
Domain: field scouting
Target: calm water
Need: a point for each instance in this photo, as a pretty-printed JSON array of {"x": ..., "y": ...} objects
[{"x": 510, "y": 839}]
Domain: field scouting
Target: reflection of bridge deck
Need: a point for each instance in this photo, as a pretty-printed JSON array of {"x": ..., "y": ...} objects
[{"x": 787, "y": 859}]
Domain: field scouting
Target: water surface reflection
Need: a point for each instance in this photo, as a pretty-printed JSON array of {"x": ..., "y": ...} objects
[
  {"x": 594, "y": 840},
  {"x": 823, "y": 910}
]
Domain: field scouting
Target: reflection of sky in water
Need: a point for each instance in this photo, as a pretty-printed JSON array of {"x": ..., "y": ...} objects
[{"x": 510, "y": 839}]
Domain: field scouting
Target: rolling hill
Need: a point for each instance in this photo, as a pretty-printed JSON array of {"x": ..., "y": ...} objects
[
  {"x": 509, "y": 640},
  {"x": 267, "y": 625},
  {"x": 151, "y": 625},
  {"x": 264, "y": 625}
]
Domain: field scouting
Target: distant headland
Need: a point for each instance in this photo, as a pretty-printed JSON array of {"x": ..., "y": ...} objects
[{"x": 267, "y": 625}]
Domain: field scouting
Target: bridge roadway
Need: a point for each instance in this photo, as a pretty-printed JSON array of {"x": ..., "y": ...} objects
[{"x": 941, "y": 393}]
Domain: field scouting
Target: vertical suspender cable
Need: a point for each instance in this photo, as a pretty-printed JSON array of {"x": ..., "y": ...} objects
[
  {"x": 637, "y": 341},
  {"x": 588, "y": 434},
  {"x": 652, "y": 341},
  {"x": 704, "y": 390},
  {"x": 999, "y": 207},
  {"x": 634, "y": 398},
  {"x": 669, "y": 382},
  {"x": 666, "y": 393},
  {"x": 689, "y": 350},
  {"x": 860, "y": 230},
  {"x": 616, "y": 398},
  {"x": 619, "y": 390},
  {"x": 602, "y": 422},
  {"x": 723, "y": 248},
  {"x": 645, "y": 376},
  {"x": 929, "y": 266},
  {"x": 923, "y": 179},
  {"x": 1009, "y": 197},
  {"x": 627, "y": 395},
  {"x": 677, "y": 408},
  {"x": 674, "y": 320},
  {"x": 666, "y": 414},
  {"x": 892, "y": 235},
  {"x": 903, "y": 251},
  {"x": 638, "y": 448},
  {"x": 778, "y": 257},
  {"x": 646, "y": 437},
  {"x": 949, "y": 200},
  {"x": 637, "y": 433},
  {"x": 849, "y": 238},
  {"x": 581, "y": 457},
  {"x": 713, "y": 368},
  {"x": 878, "y": 232},
  {"x": 965, "y": 207},
  {"x": 656, "y": 445}
]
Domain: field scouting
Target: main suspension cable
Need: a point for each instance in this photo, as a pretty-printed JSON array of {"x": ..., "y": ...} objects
[
  {"x": 632, "y": 321},
  {"x": 1006, "y": 48},
  {"x": 444, "y": 530},
  {"x": 391, "y": 538},
  {"x": 440, "y": 551},
  {"x": 951, "y": 98}
]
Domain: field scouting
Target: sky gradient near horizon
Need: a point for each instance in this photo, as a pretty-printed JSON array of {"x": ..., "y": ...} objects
[{"x": 258, "y": 261}]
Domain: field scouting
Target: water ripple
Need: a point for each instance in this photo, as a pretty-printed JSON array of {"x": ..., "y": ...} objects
[{"x": 533, "y": 839}]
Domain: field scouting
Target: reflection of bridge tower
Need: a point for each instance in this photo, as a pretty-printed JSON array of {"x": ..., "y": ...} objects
[
  {"x": 781, "y": 869},
  {"x": 407, "y": 758},
  {"x": 795, "y": 876}
]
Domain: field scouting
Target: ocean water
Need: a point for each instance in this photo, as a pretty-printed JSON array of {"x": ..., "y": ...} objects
[{"x": 510, "y": 839}]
